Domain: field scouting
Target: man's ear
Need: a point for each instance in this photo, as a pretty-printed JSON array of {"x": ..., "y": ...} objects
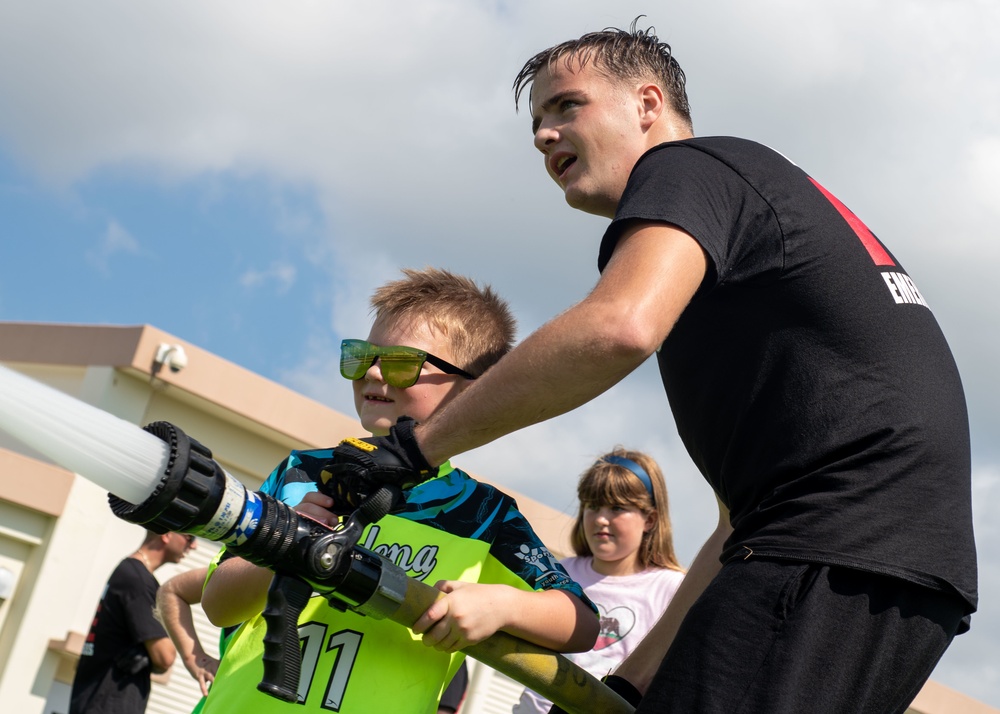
[{"x": 652, "y": 104}]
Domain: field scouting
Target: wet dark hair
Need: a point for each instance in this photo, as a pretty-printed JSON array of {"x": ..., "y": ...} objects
[
  {"x": 631, "y": 54},
  {"x": 612, "y": 484}
]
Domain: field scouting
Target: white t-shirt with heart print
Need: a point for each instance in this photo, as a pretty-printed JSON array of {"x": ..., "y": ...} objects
[{"x": 629, "y": 606}]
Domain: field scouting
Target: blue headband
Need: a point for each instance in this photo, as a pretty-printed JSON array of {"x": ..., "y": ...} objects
[{"x": 640, "y": 473}]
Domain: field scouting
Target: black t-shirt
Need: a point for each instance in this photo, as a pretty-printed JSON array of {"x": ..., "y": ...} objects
[
  {"x": 808, "y": 379},
  {"x": 113, "y": 674}
]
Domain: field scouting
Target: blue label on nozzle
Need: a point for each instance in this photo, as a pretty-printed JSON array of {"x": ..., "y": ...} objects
[
  {"x": 231, "y": 509},
  {"x": 248, "y": 520}
]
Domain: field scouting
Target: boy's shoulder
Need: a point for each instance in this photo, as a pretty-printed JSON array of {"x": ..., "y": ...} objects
[
  {"x": 302, "y": 465},
  {"x": 299, "y": 473},
  {"x": 453, "y": 487},
  {"x": 310, "y": 456},
  {"x": 310, "y": 465},
  {"x": 453, "y": 501},
  {"x": 461, "y": 505}
]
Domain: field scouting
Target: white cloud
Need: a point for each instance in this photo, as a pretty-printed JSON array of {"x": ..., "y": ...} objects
[
  {"x": 114, "y": 241},
  {"x": 984, "y": 172},
  {"x": 278, "y": 276}
]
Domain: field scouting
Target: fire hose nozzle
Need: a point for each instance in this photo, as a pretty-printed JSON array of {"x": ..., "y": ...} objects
[{"x": 194, "y": 494}]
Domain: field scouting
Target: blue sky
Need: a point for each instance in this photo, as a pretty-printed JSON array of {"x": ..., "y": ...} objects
[
  {"x": 243, "y": 174},
  {"x": 211, "y": 259}
]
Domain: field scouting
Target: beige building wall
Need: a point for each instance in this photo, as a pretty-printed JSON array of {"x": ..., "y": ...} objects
[{"x": 59, "y": 540}]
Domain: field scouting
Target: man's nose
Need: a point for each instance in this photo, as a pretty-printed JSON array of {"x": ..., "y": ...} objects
[{"x": 545, "y": 136}]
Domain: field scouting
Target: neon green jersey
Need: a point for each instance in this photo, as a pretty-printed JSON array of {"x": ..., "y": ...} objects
[{"x": 453, "y": 528}]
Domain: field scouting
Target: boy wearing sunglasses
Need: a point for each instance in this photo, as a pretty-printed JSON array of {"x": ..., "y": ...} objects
[{"x": 433, "y": 334}]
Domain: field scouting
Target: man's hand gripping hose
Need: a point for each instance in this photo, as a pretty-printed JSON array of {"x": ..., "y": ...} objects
[{"x": 197, "y": 496}]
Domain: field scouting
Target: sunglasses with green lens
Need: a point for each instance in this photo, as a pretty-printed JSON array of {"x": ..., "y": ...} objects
[{"x": 400, "y": 366}]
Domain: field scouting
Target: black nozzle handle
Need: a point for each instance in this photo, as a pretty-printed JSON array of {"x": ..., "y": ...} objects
[
  {"x": 288, "y": 595},
  {"x": 381, "y": 503},
  {"x": 286, "y": 598}
]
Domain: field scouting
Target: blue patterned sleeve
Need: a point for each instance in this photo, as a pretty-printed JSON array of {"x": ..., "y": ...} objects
[
  {"x": 295, "y": 476},
  {"x": 518, "y": 548}
]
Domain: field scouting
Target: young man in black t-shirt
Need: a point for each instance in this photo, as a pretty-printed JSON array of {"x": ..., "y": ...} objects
[
  {"x": 807, "y": 377},
  {"x": 126, "y": 643}
]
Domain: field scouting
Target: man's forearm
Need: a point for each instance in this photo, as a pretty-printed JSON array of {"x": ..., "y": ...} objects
[
  {"x": 179, "y": 624},
  {"x": 566, "y": 363},
  {"x": 651, "y": 278},
  {"x": 173, "y": 604}
]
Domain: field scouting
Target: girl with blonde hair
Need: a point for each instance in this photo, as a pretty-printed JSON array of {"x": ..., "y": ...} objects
[{"x": 624, "y": 559}]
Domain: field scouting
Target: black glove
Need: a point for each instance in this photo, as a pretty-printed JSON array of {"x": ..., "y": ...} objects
[
  {"x": 621, "y": 687},
  {"x": 361, "y": 466}
]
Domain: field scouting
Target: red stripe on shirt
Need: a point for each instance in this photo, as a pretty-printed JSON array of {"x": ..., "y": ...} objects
[{"x": 868, "y": 240}]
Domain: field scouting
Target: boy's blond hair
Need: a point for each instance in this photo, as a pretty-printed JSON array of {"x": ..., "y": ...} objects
[{"x": 477, "y": 323}]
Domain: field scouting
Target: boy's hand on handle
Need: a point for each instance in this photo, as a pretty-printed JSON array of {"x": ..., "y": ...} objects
[
  {"x": 468, "y": 614},
  {"x": 361, "y": 466},
  {"x": 621, "y": 687},
  {"x": 318, "y": 506}
]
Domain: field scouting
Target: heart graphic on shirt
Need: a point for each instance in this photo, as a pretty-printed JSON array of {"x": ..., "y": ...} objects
[{"x": 615, "y": 624}]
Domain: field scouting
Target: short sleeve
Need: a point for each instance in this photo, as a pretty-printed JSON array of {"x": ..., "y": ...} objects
[
  {"x": 518, "y": 550},
  {"x": 681, "y": 185}
]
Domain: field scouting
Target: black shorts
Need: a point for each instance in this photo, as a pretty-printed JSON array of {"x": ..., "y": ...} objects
[
  {"x": 776, "y": 637},
  {"x": 454, "y": 694}
]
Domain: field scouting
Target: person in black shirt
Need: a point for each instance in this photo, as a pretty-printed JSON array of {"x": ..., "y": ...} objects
[
  {"x": 126, "y": 643},
  {"x": 808, "y": 379}
]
